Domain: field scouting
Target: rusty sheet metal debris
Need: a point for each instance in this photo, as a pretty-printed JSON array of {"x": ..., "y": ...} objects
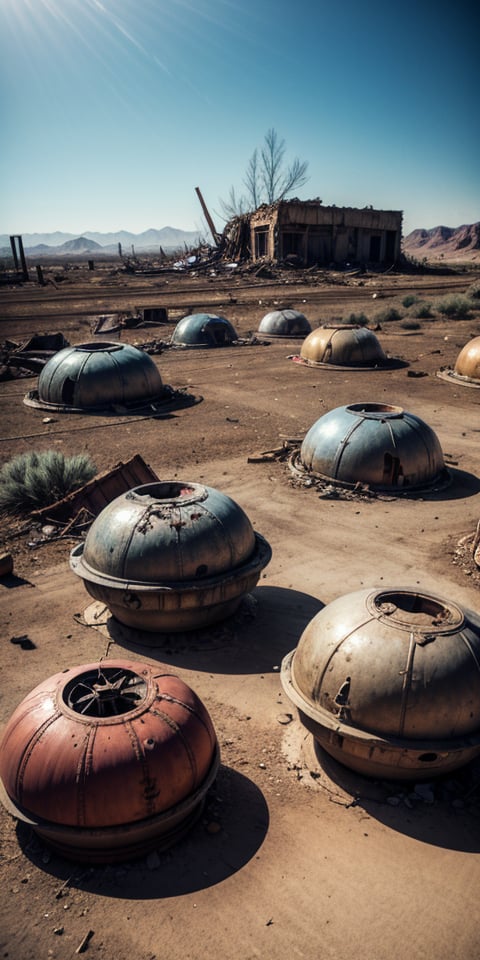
[{"x": 101, "y": 490}]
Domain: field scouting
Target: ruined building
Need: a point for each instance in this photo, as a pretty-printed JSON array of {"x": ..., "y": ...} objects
[{"x": 310, "y": 233}]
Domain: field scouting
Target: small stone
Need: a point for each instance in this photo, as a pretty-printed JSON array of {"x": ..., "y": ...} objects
[
  {"x": 58, "y": 931},
  {"x": 262, "y": 766},
  {"x": 393, "y": 801},
  {"x": 284, "y": 718},
  {"x": 425, "y": 792}
]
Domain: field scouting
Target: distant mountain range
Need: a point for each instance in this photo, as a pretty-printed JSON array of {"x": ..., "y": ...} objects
[
  {"x": 444, "y": 243},
  {"x": 67, "y": 244}
]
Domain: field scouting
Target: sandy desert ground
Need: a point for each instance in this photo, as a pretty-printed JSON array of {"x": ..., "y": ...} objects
[{"x": 294, "y": 856}]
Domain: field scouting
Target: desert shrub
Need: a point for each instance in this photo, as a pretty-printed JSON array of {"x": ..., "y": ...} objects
[
  {"x": 389, "y": 315},
  {"x": 357, "y": 318},
  {"x": 409, "y": 300},
  {"x": 454, "y": 307},
  {"x": 473, "y": 291},
  {"x": 33, "y": 480},
  {"x": 423, "y": 310},
  {"x": 410, "y": 325}
]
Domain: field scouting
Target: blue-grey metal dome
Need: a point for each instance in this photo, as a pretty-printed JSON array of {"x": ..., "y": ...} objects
[
  {"x": 285, "y": 323},
  {"x": 171, "y": 556},
  {"x": 204, "y": 330},
  {"x": 97, "y": 376},
  {"x": 388, "y": 682},
  {"x": 376, "y": 444}
]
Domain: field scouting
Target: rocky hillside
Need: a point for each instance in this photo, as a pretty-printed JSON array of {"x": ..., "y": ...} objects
[{"x": 444, "y": 243}]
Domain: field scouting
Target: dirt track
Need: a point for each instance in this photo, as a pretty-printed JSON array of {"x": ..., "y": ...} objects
[{"x": 296, "y": 869}]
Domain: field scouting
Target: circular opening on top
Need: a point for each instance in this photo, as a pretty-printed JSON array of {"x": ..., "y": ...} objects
[
  {"x": 170, "y": 491},
  {"x": 105, "y": 692},
  {"x": 417, "y": 611},
  {"x": 103, "y": 347},
  {"x": 375, "y": 411}
]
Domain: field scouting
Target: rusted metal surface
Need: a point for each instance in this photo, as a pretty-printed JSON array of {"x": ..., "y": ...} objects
[
  {"x": 376, "y": 444},
  {"x": 109, "y": 759},
  {"x": 285, "y": 323},
  {"x": 171, "y": 556},
  {"x": 204, "y": 330},
  {"x": 388, "y": 682},
  {"x": 97, "y": 376},
  {"x": 101, "y": 490},
  {"x": 345, "y": 345}
]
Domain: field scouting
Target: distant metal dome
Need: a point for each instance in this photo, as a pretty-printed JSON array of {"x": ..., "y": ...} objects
[
  {"x": 345, "y": 345},
  {"x": 467, "y": 367},
  {"x": 285, "y": 323},
  {"x": 97, "y": 376},
  {"x": 108, "y": 760},
  {"x": 171, "y": 556},
  {"x": 388, "y": 682},
  {"x": 376, "y": 444},
  {"x": 204, "y": 330}
]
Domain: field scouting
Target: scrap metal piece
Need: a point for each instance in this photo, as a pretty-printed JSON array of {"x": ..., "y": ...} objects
[{"x": 388, "y": 682}]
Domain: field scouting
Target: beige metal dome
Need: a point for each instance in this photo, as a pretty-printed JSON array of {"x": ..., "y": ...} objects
[
  {"x": 467, "y": 367},
  {"x": 388, "y": 682},
  {"x": 343, "y": 345}
]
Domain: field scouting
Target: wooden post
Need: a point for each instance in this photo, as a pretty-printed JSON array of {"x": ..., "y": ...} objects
[{"x": 215, "y": 235}]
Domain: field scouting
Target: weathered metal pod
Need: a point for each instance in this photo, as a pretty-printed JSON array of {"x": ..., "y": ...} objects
[
  {"x": 376, "y": 444},
  {"x": 97, "y": 376},
  {"x": 109, "y": 760},
  {"x": 204, "y": 330},
  {"x": 343, "y": 345},
  {"x": 388, "y": 682},
  {"x": 467, "y": 367},
  {"x": 290, "y": 324},
  {"x": 171, "y": 556}
]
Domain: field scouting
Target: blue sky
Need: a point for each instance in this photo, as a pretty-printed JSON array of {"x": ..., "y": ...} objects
[{"x": 113, "y": 111}]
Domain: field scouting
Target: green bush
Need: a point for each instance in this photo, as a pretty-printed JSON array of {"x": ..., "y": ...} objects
[
  {"x": 389, "y": 315},
  {"x": 33, "y": 480},
  {"x": 455, "y": 307},
  {"x": 410, "y": 325},
  {"x": 423, "y": 310},
  {"x": 409, "y": 300},
  {"x": 473, "y": 291},
  {"x": 359, "y": 319}
]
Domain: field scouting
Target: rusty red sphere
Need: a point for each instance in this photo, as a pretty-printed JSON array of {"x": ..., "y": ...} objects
[{"x": 108, "y": 759}]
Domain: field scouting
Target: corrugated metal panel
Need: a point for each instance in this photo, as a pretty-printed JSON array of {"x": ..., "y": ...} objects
[{"x": 95, "y": 494}]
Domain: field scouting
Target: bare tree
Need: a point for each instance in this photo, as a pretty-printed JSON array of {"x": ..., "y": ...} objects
[{"x": 267, "y": 179}]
